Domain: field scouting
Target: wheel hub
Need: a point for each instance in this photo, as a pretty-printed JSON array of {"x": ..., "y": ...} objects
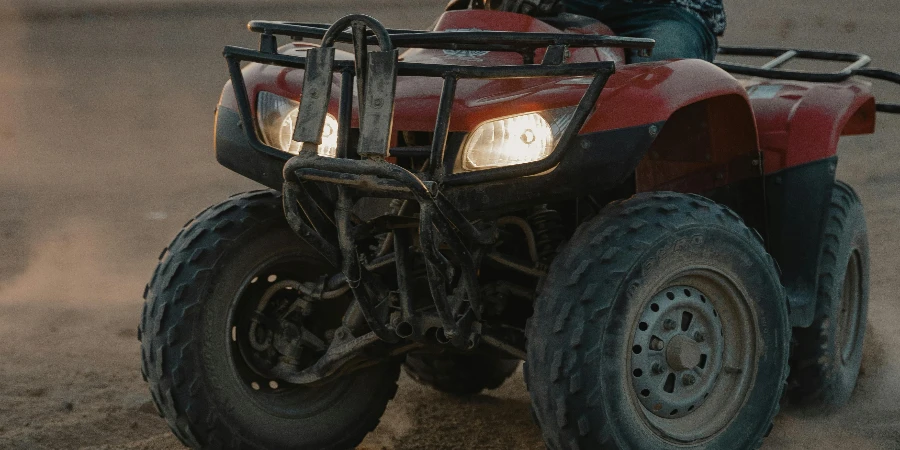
[
  {"x": 683, "y": 353},
  {"x": 677, "y": 352}
]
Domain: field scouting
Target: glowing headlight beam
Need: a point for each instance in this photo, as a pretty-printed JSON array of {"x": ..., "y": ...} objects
[
  {"x": 515, "y": 140},
  {"x": 277, "y": 117}
]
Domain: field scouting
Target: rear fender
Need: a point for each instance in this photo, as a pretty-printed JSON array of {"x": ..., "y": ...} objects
[
  {"x": 800, "y": 126},
  {"x": 800, "y": 123}
]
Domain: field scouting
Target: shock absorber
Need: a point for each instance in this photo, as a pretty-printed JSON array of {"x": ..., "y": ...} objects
[{"x": 548, "y": 232}]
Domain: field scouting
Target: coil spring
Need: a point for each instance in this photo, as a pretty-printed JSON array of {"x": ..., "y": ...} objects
[{"x": 548, "y": 232}]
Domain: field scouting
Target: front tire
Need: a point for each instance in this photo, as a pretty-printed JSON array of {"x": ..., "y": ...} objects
[
  {"x": 828, "y": 354},
  {"x": 207, "y": 359},
  {"x": 662, "y": 325}
]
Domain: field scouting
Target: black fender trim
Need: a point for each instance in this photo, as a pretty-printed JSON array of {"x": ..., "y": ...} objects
[{"x": 797, "y": 200}]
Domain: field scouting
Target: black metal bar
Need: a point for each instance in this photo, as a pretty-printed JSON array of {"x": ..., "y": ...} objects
[
  {"x": 351, "y": 268},
  {"x": 436, "y": 70},
  {"x": 336, "y": 31},
  {"x": 361, "y": 58},
  {"x": 377, "y": 122},
  {"x": 435, "y": 265},
  {"x": 527, "y": 71},
  {"x": 781, "y": 60},
  {"x": 345, "y": 113},
  {"x": 442, "y": 126},
  {"x": 317, "y": 81},
  {"x": 782, "y": 55},
  {"x": 295, "y": 219},
  {"x": 402, "y": 245},
  {"x": 268, "y": 43},
  {"x": 556, "y": 55},
  {"x": 458, "y": 40}
]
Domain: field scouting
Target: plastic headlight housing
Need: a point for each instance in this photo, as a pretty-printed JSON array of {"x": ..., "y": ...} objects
[
  {"x": 515, "y": 139},
  {"x": 277, "y": 117}
]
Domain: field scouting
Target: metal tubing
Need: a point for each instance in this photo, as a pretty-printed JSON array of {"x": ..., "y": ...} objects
[
  {"x": 526, "y": 229},
  {"x": 438, "y": 70},
  {"x": 294, "y": 217},
  {"x": 437, "y": 276},
  {"x": 779, "y": 61},
  {"x": 442, "y": 126},
  {"x": 351, "y": 268},
  {"x": 460, "y": 40},
  {"x": 345, "y": 113},
  {"x": 402, "y": 246}
]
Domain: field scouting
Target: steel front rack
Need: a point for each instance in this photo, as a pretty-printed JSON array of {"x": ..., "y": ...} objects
[
  {"x": 324, "y": 220},
  {"x": 858, "y": 66}
]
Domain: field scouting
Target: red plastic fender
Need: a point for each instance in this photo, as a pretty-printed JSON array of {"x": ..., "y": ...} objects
[{"x": 802, "y": 122}]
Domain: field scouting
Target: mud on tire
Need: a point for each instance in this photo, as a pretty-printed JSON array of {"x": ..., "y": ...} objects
[
  {"x": 650, "y": 274},
  {"x": 459, "y": 374},
  {"x": 827, "y": 356},
  {"x": 197, "y": 372}
]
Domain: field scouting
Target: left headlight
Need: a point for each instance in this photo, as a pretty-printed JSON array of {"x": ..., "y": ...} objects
[
  {"x": 277, "y": 116},
  {"x": 515, "y": 140}
]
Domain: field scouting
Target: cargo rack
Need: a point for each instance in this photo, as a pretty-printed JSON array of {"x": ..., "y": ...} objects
[{"x": 858, "y": 66}]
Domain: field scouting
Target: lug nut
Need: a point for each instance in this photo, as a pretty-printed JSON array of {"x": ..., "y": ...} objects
[
  {"x": 656, "y": 368},
  {"x": 688, "y": 379},
  {"x": 656, "y": 344},
  {"x": 699, "y": 336},
  {"x": 669, "y": 324}
]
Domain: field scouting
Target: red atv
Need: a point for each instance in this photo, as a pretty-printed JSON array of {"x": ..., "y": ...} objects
[{"x": 659, "y": 241}]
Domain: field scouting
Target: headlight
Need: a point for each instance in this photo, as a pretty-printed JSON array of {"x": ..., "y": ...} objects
[
  {"x": 515, "y": 140},
  {"x": 277, "y": 118}
]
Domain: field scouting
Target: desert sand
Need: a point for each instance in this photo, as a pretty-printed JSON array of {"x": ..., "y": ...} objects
[{"x": 106, "y": 122}]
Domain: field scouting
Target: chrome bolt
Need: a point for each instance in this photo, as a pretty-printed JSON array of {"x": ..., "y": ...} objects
[
  {"x": 688, "y": 379},
  {"x": 669, "y": 324}
]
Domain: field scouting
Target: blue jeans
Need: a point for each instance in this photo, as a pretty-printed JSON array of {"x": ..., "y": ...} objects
[{"x": 678, "y": 32}]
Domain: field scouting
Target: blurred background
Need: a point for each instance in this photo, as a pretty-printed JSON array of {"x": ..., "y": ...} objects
[{"x": 106, "y": 122}]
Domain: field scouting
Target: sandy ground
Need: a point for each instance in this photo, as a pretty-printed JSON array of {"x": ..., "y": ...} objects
[{"x": 105, "y": 151}]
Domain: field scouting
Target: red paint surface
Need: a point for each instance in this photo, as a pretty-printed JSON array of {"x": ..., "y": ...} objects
[{"x": 801, "y": 123}]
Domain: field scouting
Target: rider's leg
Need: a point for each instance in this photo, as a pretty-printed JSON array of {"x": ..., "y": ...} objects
[{"x": 678, "y": 33}]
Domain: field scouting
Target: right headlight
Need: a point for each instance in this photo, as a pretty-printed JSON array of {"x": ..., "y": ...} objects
[
  {"x": 515, "y": 139},
  {"x": 277, "y": 117}
]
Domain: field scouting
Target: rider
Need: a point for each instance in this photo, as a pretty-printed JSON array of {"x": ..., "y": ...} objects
[{"x": 681, "y": 28}]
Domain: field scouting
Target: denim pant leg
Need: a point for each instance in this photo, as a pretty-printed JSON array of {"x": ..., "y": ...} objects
[{"x": 678, "y": 32}]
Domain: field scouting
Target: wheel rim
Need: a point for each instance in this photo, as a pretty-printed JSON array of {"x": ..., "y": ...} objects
[
  {"x": 255, "y": 351},
  {"x": 693, "y": 346},
  {"x": 849, "y": 318}
]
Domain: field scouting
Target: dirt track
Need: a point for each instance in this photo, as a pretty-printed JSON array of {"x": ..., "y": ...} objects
[{"x": 105, "y": 151}]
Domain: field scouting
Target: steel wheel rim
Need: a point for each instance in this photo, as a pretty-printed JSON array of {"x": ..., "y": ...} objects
[
  {"x": 849, "y": 317},
  {"x": 707, "y": 403},
  {"x": 264, "y": 389}
]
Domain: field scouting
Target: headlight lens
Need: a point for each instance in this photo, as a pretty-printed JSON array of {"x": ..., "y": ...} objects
[
  {"x": 515, "y": 140},
  {"x": 277, "y": 118}
]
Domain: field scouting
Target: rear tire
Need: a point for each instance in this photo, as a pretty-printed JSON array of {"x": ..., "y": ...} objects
[
  {"x": 202, "y": 363},
  {"x": 459, "y": 374},
  {"x": 828, "y": 354},
  {"x": 662, "y": 324}
]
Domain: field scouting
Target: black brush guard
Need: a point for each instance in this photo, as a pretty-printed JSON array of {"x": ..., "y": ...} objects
[{"x": 327, "y": 224}]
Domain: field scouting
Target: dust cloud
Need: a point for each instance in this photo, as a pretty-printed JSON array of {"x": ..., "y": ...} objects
[{"x": 105, "y": 151}]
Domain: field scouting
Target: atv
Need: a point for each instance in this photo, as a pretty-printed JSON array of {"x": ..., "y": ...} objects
[{"x": 660, "y": 242}]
